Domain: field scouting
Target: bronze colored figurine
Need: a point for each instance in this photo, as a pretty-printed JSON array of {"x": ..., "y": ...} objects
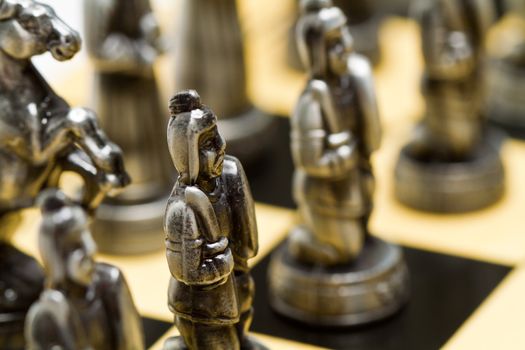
[
  {"x": 209, "y": 58},
  {"x": 332, "y": 271},
  {"x": 85, "y": 304},
  {"x": 123, "y": 41},
  {"x": 452, "y": 164},
  {"x": 40, "y": 137},
  {"x": 211, "y": 233}
]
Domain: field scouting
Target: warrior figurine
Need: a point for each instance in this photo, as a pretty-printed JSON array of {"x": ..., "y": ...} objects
[
  {"x": 335, "y": 129},
  {"x": 123, "y": 41},
  {"x": 211, "y": 233},
  {"x": 452, "y": 163},
  {"x": 85, "y": 304},
  {"x": 41, "y": 136}
]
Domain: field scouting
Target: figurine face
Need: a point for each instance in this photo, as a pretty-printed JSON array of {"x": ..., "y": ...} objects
[
  {"x": 35, "y": 29},
  {"x": 339, "y": 46},
  {"x": 80, "y": 260},
  {"x": 211, "y": 153}
]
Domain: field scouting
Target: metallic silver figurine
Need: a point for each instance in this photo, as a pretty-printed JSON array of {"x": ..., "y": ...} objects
[
  {"x": 41, "y": 136},
  {"x": 85, "y": 304},
  {"x": 123, "y": 41},
  {"x": 332, "y": 271},
  {"x": 452, "y": 163},
  {"x": 209, "y": 58},
  {"x": 211, "y": 233}
]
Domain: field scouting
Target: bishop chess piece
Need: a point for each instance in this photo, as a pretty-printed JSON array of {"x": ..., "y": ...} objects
[
  {"x": 211, "y": 233},
  {"x": 209, "y": 58},
  {"x": 453, "y": 163},
  {"x": 331, "y": 271},
  {"x": 506, "y": 73},
  {"x": 85, "y": 304},
  {"x": 41, "y": 137},
  {"x": 123, "y": 41}
]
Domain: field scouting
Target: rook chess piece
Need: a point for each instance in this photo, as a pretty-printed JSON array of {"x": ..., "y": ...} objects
[
  {"x": 40, "y": 138},
  {"x": 211, "y": 233},
  {"x": 209, "y": 58},
  {"x": 85, "y": 304},
  {"x": 123, "y": 41},
  {"x": 331, "y": 271},
  {"x": 452, "y": 164}
]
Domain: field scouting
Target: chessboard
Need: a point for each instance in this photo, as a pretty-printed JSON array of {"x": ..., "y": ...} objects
[{"x": 467, "y": 270}]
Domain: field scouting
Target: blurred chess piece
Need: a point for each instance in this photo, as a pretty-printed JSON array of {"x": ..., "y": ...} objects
[
  {"x": 123, "y": 41},
  {"x": 363, "y": 21},
  {"x": 331, "y": 271},
  {"x": 209, "y": 58},
  {"x": 506, "y": 72},
  {"x": 452, "y": 163},
  {"x": 211, "y": 233},
  {"x": 85, "y": 304},
  {"x": 41, "y": 138}
]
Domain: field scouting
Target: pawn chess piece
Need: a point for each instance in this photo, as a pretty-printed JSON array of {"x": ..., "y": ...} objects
[
  {"x": 506, "y": 74},
  {"x": 211, "y": 233},
  {"x": 331, "y": 271},
  {"x": 209, "y": 58},
  {"x": 452, "y": 164},
  {"x": 41, "y": 137},
  {"x": 123, "y": 41},
  {"x": 85, "y": 304}
]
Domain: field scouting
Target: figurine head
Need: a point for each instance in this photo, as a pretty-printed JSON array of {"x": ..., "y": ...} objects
[
  {"x": 194, "y": 142},
  {"x": 28, "y": 28},
  {"x": 65, "y": 243},
  {"x": 323, "y": 38}
]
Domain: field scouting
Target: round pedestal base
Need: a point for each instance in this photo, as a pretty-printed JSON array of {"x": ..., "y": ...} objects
[
  {"x": 248, "y": 134},
  {"x": 372, "y": 288},
  {"x": 450, "y": 187},
  {"x": 505, "y": 102},
  {"x": 177, "y": 343},
  {"x": 129, "y": 229}
]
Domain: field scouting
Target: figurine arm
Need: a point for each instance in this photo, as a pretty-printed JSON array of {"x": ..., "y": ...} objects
[
  {"x": 314, "y": 148},
  {"x": 191, "y": 258},
  {"x": 367, "y": 105}
]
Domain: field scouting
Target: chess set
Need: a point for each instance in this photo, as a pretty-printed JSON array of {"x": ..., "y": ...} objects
[{"x": 319, "y": 174}]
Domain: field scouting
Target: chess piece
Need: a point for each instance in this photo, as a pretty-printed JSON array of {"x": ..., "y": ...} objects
[
  {"x": 452, "y": 164},
  {"x": 331, "y": 271},
  {"x": 85, "y": 304},
  {"x": 40, "y": 138},
  {"x": 363, "y": 21},
  {"x": 209, "y": 58},
  {"x": 506, "y": 74},
  {"x": 123, "y": 41},
  {"x": 211, "y": 233}
]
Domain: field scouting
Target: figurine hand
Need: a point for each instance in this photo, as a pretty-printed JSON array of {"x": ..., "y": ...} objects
[
  {"x": 216, "y": 270},
  {"x": 212, "y": 249},
  {"x": 343, "y": 159}
]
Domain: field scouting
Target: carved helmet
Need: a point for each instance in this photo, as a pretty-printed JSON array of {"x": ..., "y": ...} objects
[
  {"x": 318, "y": 17},
  {"x": 62, "y": 219},
  {"x": 189, "y": 120}
]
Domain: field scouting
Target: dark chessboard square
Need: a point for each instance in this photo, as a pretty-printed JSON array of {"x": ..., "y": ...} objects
[{"x": 445, "y": 291}]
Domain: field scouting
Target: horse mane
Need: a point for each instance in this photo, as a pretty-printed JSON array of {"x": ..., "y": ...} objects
[{"x": 10, "y": 8}]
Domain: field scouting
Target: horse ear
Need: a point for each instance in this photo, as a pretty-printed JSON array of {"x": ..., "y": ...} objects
[{"x": 8, "y": 9}]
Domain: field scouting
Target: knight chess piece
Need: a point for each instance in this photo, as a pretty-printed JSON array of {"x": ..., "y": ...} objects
[
  {"x": 506, "y": 74},
  {"x": 363, "y": 21},
  {"x": 453, "y": 163},
  {"x": 209, "y": 58},
  {"x": 211, "y": 233},
  {"x": 331, "y": 271},
  {"x": 85, "y": 304},
  {"x": 123, "y": 41},
  {"x": 41, "y": 137}
]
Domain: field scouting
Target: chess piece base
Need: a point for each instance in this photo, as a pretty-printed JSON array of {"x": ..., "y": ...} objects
[
  {"x": 130, "y": 228},
  {"x": 450, "y": 187},
  {"x": 177, "y": 343},
  {"x": 248, "y": 134},
  {"x": 372, "y": 288},
  {"x": 505, "y": 105}
]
